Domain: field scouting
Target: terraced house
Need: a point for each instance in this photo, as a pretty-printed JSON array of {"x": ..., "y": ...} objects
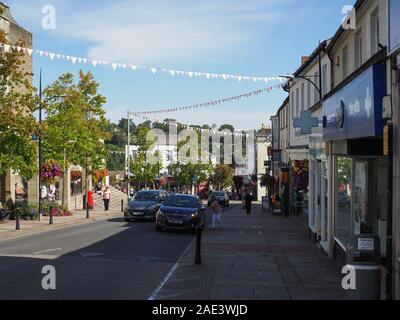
[{"x": 348, "y": 90}]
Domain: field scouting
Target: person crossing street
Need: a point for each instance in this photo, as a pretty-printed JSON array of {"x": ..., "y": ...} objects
[{"x": 216, "y": 213}]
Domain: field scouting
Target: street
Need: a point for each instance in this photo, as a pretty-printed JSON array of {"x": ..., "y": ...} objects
[
  {"x": 102, "y": 260},
  {"x": 256, "y": 257}
]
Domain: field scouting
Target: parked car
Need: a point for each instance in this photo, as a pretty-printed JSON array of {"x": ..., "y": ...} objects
[
  {"x": 221, "y": 196},
  {"x": 181, "y": 211},
  {"x": 145, "y": 205}
]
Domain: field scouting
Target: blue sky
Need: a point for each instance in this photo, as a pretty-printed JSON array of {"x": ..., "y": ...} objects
[{"x": 244, "y": 37}]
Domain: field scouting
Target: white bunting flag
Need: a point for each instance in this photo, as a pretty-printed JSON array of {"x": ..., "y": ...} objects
[
  {"x": 133, "y": 68},
  {"x": 94, "y": 63},
  {"x": 52, "y": 56},
  {"x": 73, "y": 59},
  {"x": 114, "y": 65}
]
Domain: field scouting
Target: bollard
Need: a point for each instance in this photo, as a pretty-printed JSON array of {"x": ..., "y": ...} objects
[
  {"x": 87, "y": 210},
  {"x": 17, "y": 223},
  {"x": 122, "y": 205},
  {"x": 51, "y": 221},
  {"x": 197, "y": 258}
]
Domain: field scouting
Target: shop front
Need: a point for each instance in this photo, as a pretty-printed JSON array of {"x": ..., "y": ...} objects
[
  {"x": 318, "y": 188},
  {"x": 353, "y": 129}
]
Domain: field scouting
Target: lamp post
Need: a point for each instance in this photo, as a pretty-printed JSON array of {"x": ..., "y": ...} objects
[
  {"x": 40, "y": 148},
  {"x": 128, "y": 188},
  {"x": 292, "y": 77}
]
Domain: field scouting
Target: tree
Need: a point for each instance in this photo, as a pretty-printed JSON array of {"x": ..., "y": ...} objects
[
  {"x": 141, "y": 169},
  {"x": 76, "y": 128},
  {"x": 18, "y": 102},
  {"x": 222, "y": 177}
]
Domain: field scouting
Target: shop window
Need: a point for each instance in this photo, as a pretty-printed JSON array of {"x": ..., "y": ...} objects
[{"x": 343, "y": 231}]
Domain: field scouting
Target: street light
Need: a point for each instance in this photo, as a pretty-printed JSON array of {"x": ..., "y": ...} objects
[{"x": 292, "y": 77}]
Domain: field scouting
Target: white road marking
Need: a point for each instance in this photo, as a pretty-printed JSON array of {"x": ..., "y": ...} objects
[
  {"x": 169, "y": 275},
  {"x": 48, "y": 250},
  {"x": 30, "y": 256},
  {"x": 91, "y": 254}
]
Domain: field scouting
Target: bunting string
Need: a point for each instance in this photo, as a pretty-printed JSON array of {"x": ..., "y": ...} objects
[
  {"x": 154, "y": 70},
  {"x": 236, "y": 133},
  {"x": 212, "y": 103}
]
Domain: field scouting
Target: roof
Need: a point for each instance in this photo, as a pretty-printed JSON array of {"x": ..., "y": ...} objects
[
  {"x": 341, "y": 31},
  {"x": 7, "y": 13},
  {"x": 316, "y": 52},
  {"x": 284, "y": 103}
]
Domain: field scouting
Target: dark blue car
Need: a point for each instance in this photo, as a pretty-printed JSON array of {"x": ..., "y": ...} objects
[{"x": 181, "y": 211}]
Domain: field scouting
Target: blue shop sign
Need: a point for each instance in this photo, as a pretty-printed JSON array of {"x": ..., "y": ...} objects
[
  {"x": 394, "y": 25},
  {"x": 355, "y": 111}
]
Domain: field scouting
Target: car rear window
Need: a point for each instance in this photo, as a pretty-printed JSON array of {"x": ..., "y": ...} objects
[
  {"x": 146, "y": 196},
  {"x": 182, "y": 202},
  {"x": 219, "y": 194}
]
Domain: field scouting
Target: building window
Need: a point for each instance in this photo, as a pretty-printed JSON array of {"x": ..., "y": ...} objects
[
  {"x": 375, "y": 29},
  {"x": 345, "y": 62},
  {"x": 297, "y": 102},
  {"x": 316, "y": 94},
  {"x": 324, "y": 79},
  {"x": 302, "y": 96},
  {"x": 309, "y": 103},
  {"x": 358, "y": 48},
  {"x": 292, "y": 102}
]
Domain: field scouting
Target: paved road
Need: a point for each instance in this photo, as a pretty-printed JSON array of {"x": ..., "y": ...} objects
[{"x": 103, "y": 260}]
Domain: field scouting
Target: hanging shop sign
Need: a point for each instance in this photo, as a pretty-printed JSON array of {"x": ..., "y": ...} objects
[
  {"x": 355, "y": 111},
  {"x": 306, "y": 122},
  {"x": 394, "y": 25}
]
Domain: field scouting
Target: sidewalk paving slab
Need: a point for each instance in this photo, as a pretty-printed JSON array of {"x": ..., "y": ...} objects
[{"x": 255, "y": 257}]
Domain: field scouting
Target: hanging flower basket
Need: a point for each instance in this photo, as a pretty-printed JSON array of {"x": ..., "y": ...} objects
[
  {"x": 50, "y": 171},
  {"x": 300, "y": 175}
]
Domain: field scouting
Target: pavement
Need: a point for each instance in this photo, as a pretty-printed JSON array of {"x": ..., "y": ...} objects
[
  {"x": 256, "y": 257},
  {"x": 8, "y": 230}
]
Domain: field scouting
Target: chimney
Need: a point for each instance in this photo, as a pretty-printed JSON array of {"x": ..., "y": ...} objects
[{"x": 304, "y": 59}]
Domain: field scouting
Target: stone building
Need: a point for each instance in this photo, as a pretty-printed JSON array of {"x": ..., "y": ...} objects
[{"x": 11, "y": 185}]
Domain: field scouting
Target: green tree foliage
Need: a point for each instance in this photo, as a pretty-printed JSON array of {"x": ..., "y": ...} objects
[
  {"x": 18, "y": 102},
  {"x": 76, "y": 125},
  {"x": 222, "y": 177}
]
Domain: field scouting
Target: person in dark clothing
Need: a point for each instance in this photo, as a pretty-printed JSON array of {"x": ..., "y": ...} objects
[{"x": 248, "y": 199}]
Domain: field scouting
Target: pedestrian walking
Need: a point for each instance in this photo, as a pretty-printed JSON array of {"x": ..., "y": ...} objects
[
  {"x": 107, "y": 198},
  {"x": 216, "y": 213},
  {"x": 248, "y": 199}
]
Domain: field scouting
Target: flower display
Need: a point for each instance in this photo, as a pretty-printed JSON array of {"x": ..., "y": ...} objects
[
  {"x": 50, "y": 170},
  {"x": 300, "y": 176}
]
